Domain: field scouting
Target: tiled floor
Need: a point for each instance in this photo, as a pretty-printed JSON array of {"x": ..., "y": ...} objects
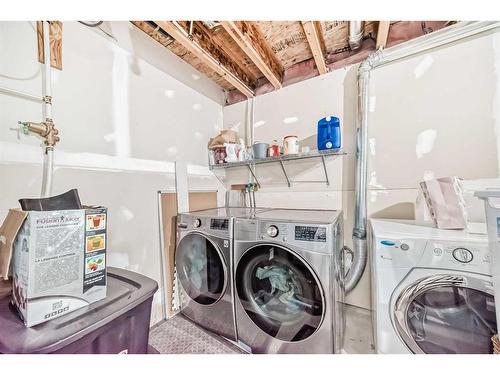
[{"x": 178, "y": 335}]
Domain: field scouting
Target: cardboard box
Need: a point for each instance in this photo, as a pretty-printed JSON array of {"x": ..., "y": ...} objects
[{"x": 58, "y": 261}]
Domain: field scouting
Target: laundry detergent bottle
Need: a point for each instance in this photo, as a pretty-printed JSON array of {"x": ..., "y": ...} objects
[{"x": 329, "y": 133}]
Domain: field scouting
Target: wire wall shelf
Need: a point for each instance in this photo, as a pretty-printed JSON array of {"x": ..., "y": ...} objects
[{"x": 282, "y": 161}]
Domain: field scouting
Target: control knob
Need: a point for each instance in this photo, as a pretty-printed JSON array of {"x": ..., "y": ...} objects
[
  {"x": 462, "y": 255},
  {"x": 272, "y": 231},
  {"x": 197, "y": 223}
]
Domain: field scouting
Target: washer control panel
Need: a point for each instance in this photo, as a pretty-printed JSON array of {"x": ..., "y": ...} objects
[
  {"x": 456, "y": 255},
  {"x": 219, "y": 226},
  {"x": 310, "y": 233},
  {"x": 307, "y": 236},
  {"x": 410, "y": 252}
]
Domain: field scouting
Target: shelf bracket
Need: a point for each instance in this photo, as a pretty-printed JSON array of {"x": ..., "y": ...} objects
[
  {"x": 286, "y": 174},
  {"x": 326, "y": 170},
  {"x": 253, "y": 174}
]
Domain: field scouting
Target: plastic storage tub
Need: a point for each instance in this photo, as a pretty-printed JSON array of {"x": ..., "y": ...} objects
[{"x": 117, "y": 324}]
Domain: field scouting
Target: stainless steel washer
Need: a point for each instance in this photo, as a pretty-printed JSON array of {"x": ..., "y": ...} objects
[
  {"x": 289, "y": 281},
  {"x": 203, "y": 262}
]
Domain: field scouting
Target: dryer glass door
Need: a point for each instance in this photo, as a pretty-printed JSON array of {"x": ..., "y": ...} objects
[
  {"x": 446, "y": 314},
  {"x": 280, "y": 293},
  {"x": 200, "y": 268}
]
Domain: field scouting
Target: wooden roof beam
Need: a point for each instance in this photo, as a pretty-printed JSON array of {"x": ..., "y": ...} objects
[
  {"x": 382, "y": 33},
  {"x": 223, "y": 44},
  {"x": 249, "y": 38},
  {"x": 312, "y": 29},
  {"x": 202, "y": 46}
]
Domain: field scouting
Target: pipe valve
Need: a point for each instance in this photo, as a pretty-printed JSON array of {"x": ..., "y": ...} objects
[{"x": 46, "y": 130}]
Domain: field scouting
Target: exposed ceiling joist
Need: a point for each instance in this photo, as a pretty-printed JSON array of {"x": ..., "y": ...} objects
[
  {"x": 202, "y": 46},
  {"x": 225, "y": 47},
  {"x": 251, "y": 41},
  {"x": 382, "y": 33},
  {"x": 312, "y": 30}
]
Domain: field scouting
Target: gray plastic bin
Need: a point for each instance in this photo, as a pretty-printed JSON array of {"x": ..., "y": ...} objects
[{"x": 117, "y": 324}]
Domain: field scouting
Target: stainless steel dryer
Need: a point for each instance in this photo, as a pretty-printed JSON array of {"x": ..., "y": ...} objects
[
  {"x": 289, "y": 281},
  {"x": 203, "y": 262}
]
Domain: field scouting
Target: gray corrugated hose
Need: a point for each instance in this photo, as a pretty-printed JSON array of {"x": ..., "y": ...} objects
[{"x": 359, "y": 251}]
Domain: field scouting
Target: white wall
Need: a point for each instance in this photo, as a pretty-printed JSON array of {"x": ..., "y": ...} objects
[
  {"x": 439, "y": 113},
  {"x": 433, "y": 115},
  {"x": 123, "y": 121}
]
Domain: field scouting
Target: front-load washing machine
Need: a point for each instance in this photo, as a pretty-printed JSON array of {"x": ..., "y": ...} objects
[
  {"x": 289, "y": 281},
  {"x": 431, "y": 289},
  {"x": 203, "y": 262}
]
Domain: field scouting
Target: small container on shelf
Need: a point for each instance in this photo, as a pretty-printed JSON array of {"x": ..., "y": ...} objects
[
  {"x": 220, "y": 155},
  {"x": 290, "y": 145},
  {"x": 260, "y": 150},
  {"x": 329, "y": 133},
  {"x": 274, "y": 150}
]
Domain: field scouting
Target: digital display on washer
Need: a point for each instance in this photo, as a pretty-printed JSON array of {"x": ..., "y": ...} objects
[
  {"x": 308, "y": 233},
  {"x": 219, "y": 224}
]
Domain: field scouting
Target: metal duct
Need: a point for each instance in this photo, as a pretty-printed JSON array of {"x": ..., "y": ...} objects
[
  {"x": 356, "y": 30},
  {"x": 360, "y": 250},
  {"x": 211, "y": 24},
  {"x": 413, "y": 47}
]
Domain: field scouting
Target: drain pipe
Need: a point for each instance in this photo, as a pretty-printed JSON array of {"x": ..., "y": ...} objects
[{"x": 379, "y": 58}]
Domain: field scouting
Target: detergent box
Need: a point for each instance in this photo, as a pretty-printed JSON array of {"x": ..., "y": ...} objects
[{"x": 58, "y": 260}]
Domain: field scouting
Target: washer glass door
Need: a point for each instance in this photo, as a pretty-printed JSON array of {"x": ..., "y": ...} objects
[
  {"x": 446, "y": 314},
  {"x": 279, "y": 292},
  {"x": 200, "y": 268}
]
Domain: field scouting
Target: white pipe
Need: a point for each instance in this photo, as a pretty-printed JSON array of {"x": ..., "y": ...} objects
[
  {"x": 249, "y": 121},
  {"x": 356, "y": 31},
  {"x": 48, "y": 161},
  {"x": 249, "y": 141},
  {"x": 8, "y": 91},
  {"x": 48, "y": 167},
  {"x": 413, "y": 47},
  {"x": 252, "y": 121}
]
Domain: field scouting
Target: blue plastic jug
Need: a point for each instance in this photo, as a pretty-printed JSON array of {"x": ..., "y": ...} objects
[{"x": 329, "y": 133}]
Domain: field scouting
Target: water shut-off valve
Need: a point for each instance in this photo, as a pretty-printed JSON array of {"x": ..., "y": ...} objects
[{"x": 45, "y": 129}]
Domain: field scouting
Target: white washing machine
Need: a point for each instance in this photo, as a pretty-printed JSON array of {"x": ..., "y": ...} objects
[
  {"x": 431, "y": 289},
  {"x": 203, "y": 261},
  {"x": 289, "y": 281}
]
